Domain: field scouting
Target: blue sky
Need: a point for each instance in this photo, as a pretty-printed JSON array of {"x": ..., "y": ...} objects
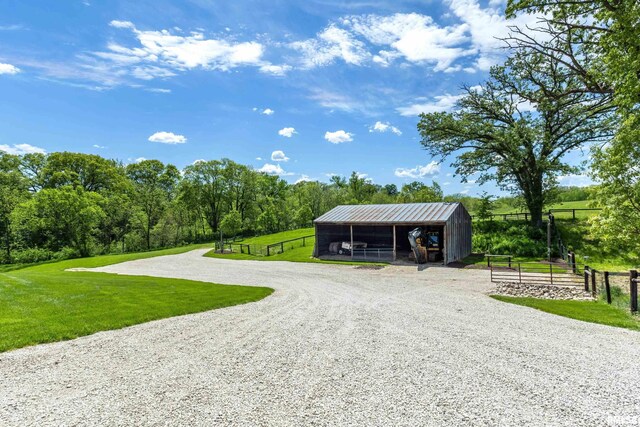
[{"x": 301, "y": 89}]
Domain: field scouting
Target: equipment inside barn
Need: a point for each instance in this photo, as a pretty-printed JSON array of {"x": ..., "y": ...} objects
[{"x": 425, "y": 245}]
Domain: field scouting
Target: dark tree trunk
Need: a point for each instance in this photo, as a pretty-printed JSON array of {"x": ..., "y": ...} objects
[{"x": 7, "y": 236}]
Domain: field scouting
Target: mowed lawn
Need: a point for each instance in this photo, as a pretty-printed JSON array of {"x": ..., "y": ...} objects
[
  {"x": 294, "y": 252},
  {"x": 44, "y": 303},
  {"x": 587, "y": 311}
]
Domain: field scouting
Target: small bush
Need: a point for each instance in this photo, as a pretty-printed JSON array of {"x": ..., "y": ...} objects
[
  {"x": 509, "y": 238},
  {"x": 67, "y": 253},
  {"x": 32, "y": 255}
]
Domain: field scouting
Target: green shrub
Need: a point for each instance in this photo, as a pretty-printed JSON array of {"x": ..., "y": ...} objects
[
  {"x": 509, "y": 238},
  {"x": 32, "y": 255}
]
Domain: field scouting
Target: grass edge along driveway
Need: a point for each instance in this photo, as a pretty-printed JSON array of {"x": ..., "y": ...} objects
[
  {"x": 587, "y": 311},
  {"x": 44, "y": 303}
]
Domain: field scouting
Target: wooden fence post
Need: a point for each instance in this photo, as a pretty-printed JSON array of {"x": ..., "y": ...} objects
[
  {"x": 633, "y": 288},
  {"x": 586, "y": 278},
  {"x": 268, "y": 250},
  {"x": 249, "y": 249},
  {"x": 607, "y": 287},
  {"x": 281, "y": 247},
  {"x": 551, "y": 272},
  {"x": 520, "y": 273},
  {"x": 594, "y": 290}
]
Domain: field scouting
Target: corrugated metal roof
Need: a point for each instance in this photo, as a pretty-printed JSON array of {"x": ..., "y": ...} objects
[{"x": 405, "y": 213}]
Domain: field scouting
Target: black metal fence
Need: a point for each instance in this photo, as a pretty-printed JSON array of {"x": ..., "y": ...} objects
[
  {"x": 553, "y": 274},
  {"x": 270, "y": 249},
  {"x": 533, "y": 273}
]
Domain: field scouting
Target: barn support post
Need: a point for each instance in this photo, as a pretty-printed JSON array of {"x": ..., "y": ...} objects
[
  {"x": 633, "y": 290},
  {"x": 394, "y": 242},
  {"x": 351, "y": 232}
]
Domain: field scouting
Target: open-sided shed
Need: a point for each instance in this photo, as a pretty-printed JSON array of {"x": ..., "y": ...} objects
[{"x": 385, "y": 229}]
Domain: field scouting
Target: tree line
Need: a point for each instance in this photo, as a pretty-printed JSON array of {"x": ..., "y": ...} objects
[{"x": 67, "y": 204}]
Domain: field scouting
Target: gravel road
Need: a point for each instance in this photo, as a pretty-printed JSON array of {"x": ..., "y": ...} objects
[{"x": 334, "y": 345}]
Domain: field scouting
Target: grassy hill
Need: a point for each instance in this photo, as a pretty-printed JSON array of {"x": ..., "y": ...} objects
[
  {"x": 293, "y": 251},
  {"x": 45, "y": 303}
]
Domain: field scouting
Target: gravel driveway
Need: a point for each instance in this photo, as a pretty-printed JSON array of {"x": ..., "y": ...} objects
[{"x": 334, "y": 345}]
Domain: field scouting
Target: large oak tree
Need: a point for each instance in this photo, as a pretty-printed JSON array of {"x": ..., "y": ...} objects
[{"x": 517, "y": 128}]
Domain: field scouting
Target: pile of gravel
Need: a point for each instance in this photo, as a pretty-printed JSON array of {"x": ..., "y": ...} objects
[{"x": 515, "y": 289}]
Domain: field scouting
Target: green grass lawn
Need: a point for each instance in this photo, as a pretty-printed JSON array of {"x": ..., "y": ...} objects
[
  {"x": 269, "y": 239},
  {"x": 294, "y": 252},
  {"x": 299, "y": 254},
  {"x": 44, "y": 303},
  {"x": 587, "y": 311}
]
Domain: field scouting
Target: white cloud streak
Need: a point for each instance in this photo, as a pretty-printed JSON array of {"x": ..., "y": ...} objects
[
  {"x": 440, "y": 104},
  {"x": 429, "y": 169},
  {"x": 20, "y": 149}
]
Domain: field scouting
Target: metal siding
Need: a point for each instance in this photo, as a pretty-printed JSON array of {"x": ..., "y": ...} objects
[
  {"x": 406, "y": 213},
  {"x": 458, "y": 235}
]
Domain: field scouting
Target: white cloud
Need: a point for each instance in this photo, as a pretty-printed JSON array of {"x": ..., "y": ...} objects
[
  {"x": 279, "y": 156},
  {"x": 140, "y": 159},
  {"x": 465, "y": 191},
  {"x": 164, "y": 53},
  {"x": 486, "y": 27},
  {"x": 287, "y": 132},
  {"x": 303, "y": 178},
  {"x": 198, "y": 161},
  {"x": 122, "y": 24},
  {"x": 430, "y": 169},
  {"x": 258, "y": 158},
  {"x": 8, "y": 69},
  {"x": 276, "y": 70},
  {"x": 415, "y": 37},
  {"x": 331, "y": 44},
  {"x": 384, "y": 127},
  {"x": 98, "y": 146},
  {"x": 267, "y": 112},
  {"x": 20, "y": 149},
  {"x": 167, "y": 138},
  {"x": 158, "y": 90},
  {"x": 575, "y": 180},
  {"x": 441, "y": 103},
  {"x": 272, "y": 169},
  {"x": 335, "y": 101},
  {"x": 338, "y": 137}
]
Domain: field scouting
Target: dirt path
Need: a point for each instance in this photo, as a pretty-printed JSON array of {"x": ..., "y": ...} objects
[{"x": 334, "y": 345}]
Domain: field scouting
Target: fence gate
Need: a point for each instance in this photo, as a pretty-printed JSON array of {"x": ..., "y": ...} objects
[{"x": 534, "y": 274}]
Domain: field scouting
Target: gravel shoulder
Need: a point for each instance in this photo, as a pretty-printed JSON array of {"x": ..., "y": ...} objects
[{"x": 333, "y": 345}]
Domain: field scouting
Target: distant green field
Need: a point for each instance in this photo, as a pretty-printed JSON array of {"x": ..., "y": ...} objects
[
  {"x": 581, "y": 204},
  {"x": 45, "y": 303}
]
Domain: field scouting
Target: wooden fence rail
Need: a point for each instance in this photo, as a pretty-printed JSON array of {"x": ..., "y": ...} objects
[{"x": 526, "y": 215}]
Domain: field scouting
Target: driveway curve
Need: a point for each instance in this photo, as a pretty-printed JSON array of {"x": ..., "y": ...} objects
[{"x": 333, "y": 345}]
